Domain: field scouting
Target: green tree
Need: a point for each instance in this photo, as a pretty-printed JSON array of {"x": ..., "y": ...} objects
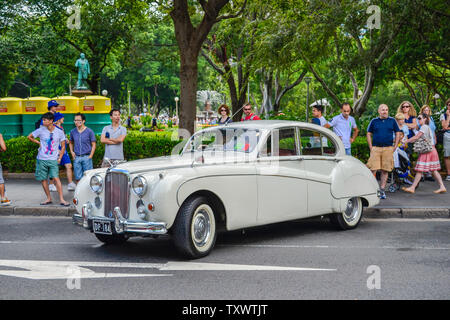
[
  {"x": 106, "y": 30},
  {"x": 192, "y": 23}
]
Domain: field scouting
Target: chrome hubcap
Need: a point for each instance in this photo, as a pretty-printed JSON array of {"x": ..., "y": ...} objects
[
  {"x": 351, "y": 213},
  {"x": 201, "y": 226}
]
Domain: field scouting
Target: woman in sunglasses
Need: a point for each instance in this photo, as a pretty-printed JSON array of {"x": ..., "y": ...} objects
[
  {"x": 224, "y": 115},
  {"x": 427, "y": 162},
  {"x": 407, "y": 109}
]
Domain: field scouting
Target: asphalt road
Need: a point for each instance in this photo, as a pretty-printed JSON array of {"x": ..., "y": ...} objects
[{"x": 49, "y": 258}]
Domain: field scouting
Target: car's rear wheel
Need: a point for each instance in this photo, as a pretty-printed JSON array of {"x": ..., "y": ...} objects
[
  {"x": 350, "y": 217},
  {"x": 194, "y": 229},
  {"x": 112, "y": 239}
]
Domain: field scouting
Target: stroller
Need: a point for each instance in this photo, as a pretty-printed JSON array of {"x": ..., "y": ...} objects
[{"x": 402, "y": 171}]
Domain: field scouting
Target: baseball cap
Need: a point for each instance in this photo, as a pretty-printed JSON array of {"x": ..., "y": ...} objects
[
  {"x": 57, "y": 116},
  {"x": 52, "y": 103}
]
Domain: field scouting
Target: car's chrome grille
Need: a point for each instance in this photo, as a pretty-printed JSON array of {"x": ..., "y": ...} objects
[{"x": 117, "y": 193}]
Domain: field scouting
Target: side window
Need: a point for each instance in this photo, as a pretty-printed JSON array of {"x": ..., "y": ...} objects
[
  {"x": 329, "y": 148},
  {"x": 314, "y": 143},
  {"x": 284, "y": 142}
]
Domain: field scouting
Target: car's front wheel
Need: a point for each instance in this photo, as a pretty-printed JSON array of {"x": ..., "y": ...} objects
[
  {"x": 194, "y": 229},
  {"x": 350, "y": 217}
]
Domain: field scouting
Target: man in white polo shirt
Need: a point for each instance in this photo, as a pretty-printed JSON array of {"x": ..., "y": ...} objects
[
  {"x": 343, "y": 125},
  {"x": 113, "y": 137}
]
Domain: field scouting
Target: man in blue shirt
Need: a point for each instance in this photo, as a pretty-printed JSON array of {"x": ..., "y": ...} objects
[
  {"x": 343, "y": 125},
  {"x": 380, "y": 137},
  {"x": 82, "y": 146}
]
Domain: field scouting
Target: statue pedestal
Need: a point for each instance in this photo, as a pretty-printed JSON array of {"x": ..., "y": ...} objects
[{"x": 81, "y": 93}]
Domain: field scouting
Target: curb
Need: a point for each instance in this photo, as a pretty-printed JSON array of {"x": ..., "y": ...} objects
[
  {"x": 407, "y": 213},
  {"x": 372, "y": 213},
  {"x": 37, "y": 211}
]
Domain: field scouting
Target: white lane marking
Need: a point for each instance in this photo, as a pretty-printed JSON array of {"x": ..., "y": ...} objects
[
  {"x": 38, "y": 270},
  {"x": 286, "y": 246},
  {"x": 326, "y": 247},
  {"x": 49, "y": 242},
  {"x": 406, "y": 219}
]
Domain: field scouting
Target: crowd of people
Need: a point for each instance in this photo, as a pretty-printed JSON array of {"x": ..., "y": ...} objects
[
  {"x": 53, "y": 150},
  {"x": 385, "y": 135},
  {"x": 408, "y": 131}
]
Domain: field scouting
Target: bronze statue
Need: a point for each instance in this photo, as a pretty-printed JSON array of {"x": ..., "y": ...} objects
[{"x": 83, "y": 72}]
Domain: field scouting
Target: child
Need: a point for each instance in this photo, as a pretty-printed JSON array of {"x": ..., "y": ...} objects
[{"x": 400, "y": 118}]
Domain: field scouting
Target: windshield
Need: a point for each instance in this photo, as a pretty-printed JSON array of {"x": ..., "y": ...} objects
[{"x": 224, "y": 139}]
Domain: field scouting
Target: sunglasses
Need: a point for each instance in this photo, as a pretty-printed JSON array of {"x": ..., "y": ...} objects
[
  {"x": 419, "y": 118},
  {"x": 246, "y": 109},
  {"x": 405, "y": 106},
  {"x": 223, "y": 110}
]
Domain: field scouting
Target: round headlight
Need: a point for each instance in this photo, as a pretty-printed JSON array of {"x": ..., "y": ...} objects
[
  {"x": 139, "y": 185},
  {"x": 96, "y": 183}
]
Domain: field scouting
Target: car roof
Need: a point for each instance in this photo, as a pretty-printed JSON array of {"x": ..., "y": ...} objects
[{"x": 265, "y": 124}]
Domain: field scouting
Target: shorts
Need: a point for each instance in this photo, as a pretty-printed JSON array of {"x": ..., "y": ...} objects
[
  {"x": 46, "y": 169},
  {"x": 446, "y": 144},
  {"x": 1, "y": 175},
  {"x": 80, "y": 165},
  {"x": 381, "y": 158},
  {"x": 65, "y": 159}
]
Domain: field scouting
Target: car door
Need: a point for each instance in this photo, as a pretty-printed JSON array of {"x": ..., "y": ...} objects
[
  {"x": 319, "y": 158},
  {"x": 282, "y": 188}
]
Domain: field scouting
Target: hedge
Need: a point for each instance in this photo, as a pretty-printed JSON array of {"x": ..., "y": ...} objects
[{"x": 20, "y": 155}]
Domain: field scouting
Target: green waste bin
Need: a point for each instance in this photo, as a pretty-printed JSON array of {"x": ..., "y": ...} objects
[
  {"x": 11, "y": 117},
  {"x": 32, "y": 110},
  {"x": 96, "y": 109}
]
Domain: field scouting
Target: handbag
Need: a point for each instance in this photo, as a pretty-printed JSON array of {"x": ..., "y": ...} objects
[{"x": 423, "y": 145}]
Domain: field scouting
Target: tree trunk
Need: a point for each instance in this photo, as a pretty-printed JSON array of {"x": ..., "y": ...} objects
[
  {"x": 266, "y": 90},
  {"x": 188, "y": 90},
  {"x": 190, "y": 40}
]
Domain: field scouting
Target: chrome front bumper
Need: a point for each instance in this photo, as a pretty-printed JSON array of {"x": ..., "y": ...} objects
[{"x": 120, "y": 224}]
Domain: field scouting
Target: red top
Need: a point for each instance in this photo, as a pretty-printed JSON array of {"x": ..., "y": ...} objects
[{"x": 251, "y": 117}]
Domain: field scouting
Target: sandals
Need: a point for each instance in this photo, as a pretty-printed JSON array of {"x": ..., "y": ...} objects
[
  {"x": 45, "y": 203},
  {"x": 65, "y": 204},
  {"x": 440, "y": 191}
]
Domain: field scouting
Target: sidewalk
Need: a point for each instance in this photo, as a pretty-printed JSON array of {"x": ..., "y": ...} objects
[{"x": 26, "y": 195}]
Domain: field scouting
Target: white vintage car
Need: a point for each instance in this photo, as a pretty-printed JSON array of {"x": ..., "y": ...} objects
[{"x": 226, "y": 178}]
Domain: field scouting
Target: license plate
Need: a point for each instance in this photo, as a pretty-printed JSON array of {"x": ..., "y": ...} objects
[{"x": 102, "y": 227}]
